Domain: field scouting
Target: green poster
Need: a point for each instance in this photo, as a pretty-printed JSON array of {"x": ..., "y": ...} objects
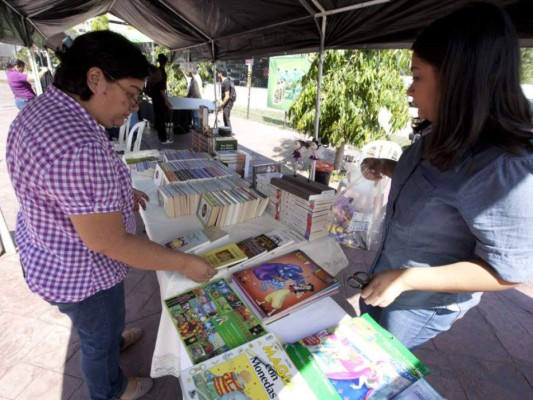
[{"x": 284, "y": 80}]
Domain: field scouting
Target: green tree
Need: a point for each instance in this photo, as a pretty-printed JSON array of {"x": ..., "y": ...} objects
[
  {"x": 356, "y": 85},
  {"x": 527, "y": 65},
  {"x": 100, "y": 23}
]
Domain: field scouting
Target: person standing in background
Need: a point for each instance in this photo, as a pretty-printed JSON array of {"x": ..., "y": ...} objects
[
  {"x": 158, "y": 93},
  {"x": 20, "y": 82},
  {"x": 226, "y": 96},
  {"x": 194, "y": 91}
]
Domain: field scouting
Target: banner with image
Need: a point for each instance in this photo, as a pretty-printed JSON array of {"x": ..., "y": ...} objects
[{"x": 284, "y": 80}]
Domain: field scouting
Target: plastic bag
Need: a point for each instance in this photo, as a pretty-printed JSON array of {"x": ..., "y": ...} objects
[{"x": 359, "y": 210}]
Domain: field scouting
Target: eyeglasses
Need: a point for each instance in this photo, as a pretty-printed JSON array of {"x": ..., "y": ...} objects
[{"x": 135, "y": 98}]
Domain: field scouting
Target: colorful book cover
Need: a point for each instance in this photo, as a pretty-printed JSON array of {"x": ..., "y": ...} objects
[
  {"x": 358, "y": 359},
  {"x": 224, "y": 256},
  {"x": 259, "y": 370},
  {"x": 188, "y": 241},
  {"x": 280, "y": 285},
  {"x": 266, "y": 242},
  {"x": 211, "y": 319}
]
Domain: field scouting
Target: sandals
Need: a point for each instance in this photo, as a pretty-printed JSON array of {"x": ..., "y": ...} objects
[
  {"x": 137, "y": 387},
  {"x": 129, "y": 337}
]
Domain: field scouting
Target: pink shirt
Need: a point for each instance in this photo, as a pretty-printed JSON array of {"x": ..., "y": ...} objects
[
  {"x": 18, "y": 82},
  {"x": 61, "y": 163}
]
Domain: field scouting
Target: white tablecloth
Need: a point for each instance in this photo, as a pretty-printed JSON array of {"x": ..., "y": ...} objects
[
  {"x": 170, "y": 357},
  {"x": 186, "y": 103}
]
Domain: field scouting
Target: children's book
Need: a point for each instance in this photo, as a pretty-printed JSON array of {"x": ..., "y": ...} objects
[
  {"x": 224, "y": 256},
  {"x": 284, "y": 238},
  {"x": 284, "y": 284},
  {"x": 258, "y": 370},
  {"x": 211, "y": 319},
  {"x": 358, "y": 359},
  {"x": 189, "y": 242}
]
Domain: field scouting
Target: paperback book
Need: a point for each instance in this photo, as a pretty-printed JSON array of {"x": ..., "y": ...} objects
[
  {"x": 358, "y": 359},
  {"x": 284, "y": 284},
  {"x": 211, "y": 319},
  {"x": 259, "y": 370},
  {"x": 224, "y": 256},
  {"x": 188, "y": 242}
]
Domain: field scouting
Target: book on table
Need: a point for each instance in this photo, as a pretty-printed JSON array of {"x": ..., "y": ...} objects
[
  {"x": 224, "y": 256},
  {"x": 188, "y": 242},
  {"x": 211, "y": 319},
  {"x": 258, "y": 370},
  {"x": 357, "y": 359},
  {"x": 277, "y": 287}
]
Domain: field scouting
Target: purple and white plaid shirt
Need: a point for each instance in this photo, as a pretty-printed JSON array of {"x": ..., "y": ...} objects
[{"x": 61, "y": 163}]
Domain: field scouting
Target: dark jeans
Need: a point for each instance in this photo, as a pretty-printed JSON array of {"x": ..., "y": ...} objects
[
  {"x": 99, "y": 322},
  {"x": 226, "y": 112},
  {"x": 160, "y": 118}
]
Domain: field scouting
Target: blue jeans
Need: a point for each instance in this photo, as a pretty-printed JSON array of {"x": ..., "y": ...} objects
[
  {"x": 99, "y": 322},
  {"x": 414, "y": 327},
  {"x": 21, "y": 103}
]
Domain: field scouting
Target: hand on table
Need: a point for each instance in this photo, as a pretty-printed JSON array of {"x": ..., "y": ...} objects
[
  {"x": 139, "y": 199},
  {"x": 198, "y": 270},
  {"x": 385, "y": 287}
]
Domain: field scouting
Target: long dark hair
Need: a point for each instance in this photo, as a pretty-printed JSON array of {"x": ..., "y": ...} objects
[
  {"x": 475, "y": 51},
  {"x": 107, "y": 50}
]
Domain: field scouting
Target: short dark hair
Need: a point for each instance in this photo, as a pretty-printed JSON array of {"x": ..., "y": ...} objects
[
  {"x": 476, "y": 53},
  {"x": 15, "y": 63},
  {"x": 109, "y": 51},
  {"x": 222, "y": 72},
  {"x": 162, "y": 58}
]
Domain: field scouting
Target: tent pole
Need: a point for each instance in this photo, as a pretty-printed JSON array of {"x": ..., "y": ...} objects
[
  {"x": 320, "y": 65},
  {"x": 215, "y": 90}
]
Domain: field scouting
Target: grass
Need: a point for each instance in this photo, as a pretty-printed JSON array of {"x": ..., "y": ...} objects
[{"x": 276, "y": 118}]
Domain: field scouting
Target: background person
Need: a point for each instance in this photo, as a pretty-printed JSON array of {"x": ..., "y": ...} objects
[
  {"x": 158, "y": 93},
  {"x": 459, "y": 219},
  {"x": 225, "y": 93},
  {"x": 20, "y": 82},
  {"x": 76, "y": 225}
]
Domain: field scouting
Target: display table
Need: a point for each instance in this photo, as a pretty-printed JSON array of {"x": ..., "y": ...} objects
[
  {"x": 170, "y": 357},
  {"x": 186, "y": 103}
]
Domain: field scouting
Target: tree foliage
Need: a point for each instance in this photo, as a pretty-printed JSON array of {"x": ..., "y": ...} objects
[
  {"x": 527, "y": 65},
  {"x": 100, "y": 23},
  {"x": 356, "y": 84}
]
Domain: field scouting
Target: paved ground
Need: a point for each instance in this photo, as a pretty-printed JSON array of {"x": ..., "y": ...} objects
[{"x": 487, "y": 355}]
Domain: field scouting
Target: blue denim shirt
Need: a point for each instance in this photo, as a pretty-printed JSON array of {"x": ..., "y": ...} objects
[{"x": 480, "y": 209}]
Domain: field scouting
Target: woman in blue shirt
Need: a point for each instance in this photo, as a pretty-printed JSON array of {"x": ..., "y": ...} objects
[{"x": 459, "y": 219}]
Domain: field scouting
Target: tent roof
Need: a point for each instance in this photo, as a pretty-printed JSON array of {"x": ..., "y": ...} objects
[{"x": 232, "y": 29}]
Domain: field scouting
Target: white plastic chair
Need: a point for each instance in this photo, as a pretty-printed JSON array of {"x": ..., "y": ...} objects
[
  {"x": 120, "y": 144},
  {"x": 139, "y": 128},
  {"x": 382, "y": 149}
]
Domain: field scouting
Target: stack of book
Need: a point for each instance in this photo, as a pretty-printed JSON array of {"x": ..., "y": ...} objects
[
  {"x": 266, "y": 168},
  {"x": 199, "y": 141},
  {"x": 358, "y": 359},
  {"x": 186, "y": 170},
  {"x": 135, "y": 157},
  {"x": 236, "y": 160},
  {"x": 172, "y": 155},
  {"x": 284, "y": 284},
  {"x": 231, "y": 206},
  {"x": 194, "y": 241},
  {"x": 262, "y": 183},
  {"x": 183, "y": 198},
  {"x": 304, "y": 206}
]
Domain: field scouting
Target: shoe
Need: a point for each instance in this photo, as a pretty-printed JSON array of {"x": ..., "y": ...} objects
[
  {"x": 130, "y": 336},
  {"x": 167, "y": 142},
  {"x": 137, "y": 387}
]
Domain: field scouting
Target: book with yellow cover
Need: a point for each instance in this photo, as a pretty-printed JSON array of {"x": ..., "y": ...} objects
[
  {"x": 224, "y": 256},
  {"x": 259, "y": 370}
]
